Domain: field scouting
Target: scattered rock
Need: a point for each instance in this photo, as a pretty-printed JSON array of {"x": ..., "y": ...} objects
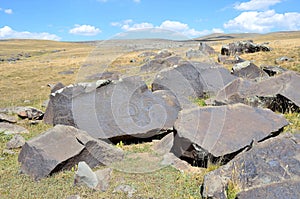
[
  {"x": 248, "y": 70},
  {"x": 47, "y": 153},
  {"x": 132, "y": 60},
  {"x": 8, "y": 152},
  {"x": 270, "y": 169},
  {"x": 164, "y": 145},
  {"x": 147, "y": 54},
  {"x": 85, "y": 176},
  {"x": 125, "y": 189},
  {"x": 56, "y": 87},
  {"x": 7, "y": 118},
  {"x": 110, "y": 109},
  {"x": 156, "y": 65},
  {"x": 222, "y": 131},
  {"x": 241, "y": 47},
  {"x": 280, "y": 60},
  {"x": 73, "y": 197},
  {"x": 163, "y": 54},
  {"x": 24, "y": 112},
  {"x": 224, "y": 59},
  {"x": 274, "y": 70},
  {"x": 16, "y": 142},
  {"x": 192, "y": 53},
  {"x": 103, "y": 177},
  {"x": 104, "y": 76},
  {"x": 204, "y": 47},
  {"x": 278, "y": 93},
  {"x": 9, "y": 129}
]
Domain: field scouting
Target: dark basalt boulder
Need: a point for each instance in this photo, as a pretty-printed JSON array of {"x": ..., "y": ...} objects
[
  {"x": 270, "y": 169},
  {"x": 241, "y": 47},
  {"x": 279, "y": 93},
  {"x": 61, "y": 148},
  {"x": 111, "y": 109},
  {"x": 248, "y": 70},
  {"x": 221, "y": 131}
]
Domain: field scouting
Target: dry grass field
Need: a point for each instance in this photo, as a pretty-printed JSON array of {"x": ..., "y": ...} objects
[{"x": 24, "y": 82}]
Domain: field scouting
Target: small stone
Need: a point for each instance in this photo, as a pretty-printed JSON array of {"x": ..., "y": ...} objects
[
  {"x": 10, "y": 129},
  {"x": 8, "y": 152},
  {"x": 103, "y": 177},
  {"x": 16, "y": 142},
  {"x": 73, "y": 197},
  {"x": 85, "y": 176},
  {"x": 7, "y": 118},
  {"x": 125, "y": 189}
]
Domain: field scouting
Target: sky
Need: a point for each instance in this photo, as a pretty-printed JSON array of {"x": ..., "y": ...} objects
[{"x": 83, "y": 20}]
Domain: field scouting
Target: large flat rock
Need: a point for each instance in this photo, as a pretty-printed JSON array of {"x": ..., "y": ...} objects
[
  {"x": 111, "y": 109},
  {"x": 191, "y": 80},
  {"x": 270, "y": 169},
  {"x": 278, "y": 93},
  {"x": 222, "y": 130},
  {"x": 62, "y": 147}
]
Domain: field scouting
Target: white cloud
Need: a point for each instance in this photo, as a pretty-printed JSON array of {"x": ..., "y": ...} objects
[
  {"x": 265, "y": 21},
  {"x": 85, "y": 30},
  {"x": 176, "y": 26},
  {"x": 7, "y": 32},
  {"x": 8, "y": 11},
  {"x": 256, "y": 4},
  {"x": 137, "y": 1}
]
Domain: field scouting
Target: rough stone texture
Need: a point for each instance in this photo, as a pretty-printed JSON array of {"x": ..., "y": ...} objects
[
  {"x": 279, "y": 93},
  {"x": 164, "y": 145},
  {"x": 193, "y": 53},
  {"x": 73, "y": 197},
  {"x": 248, "y": 70},
  {"x": 204, "y": 47},
  {"x": 85, "y": 176},
  {"x": 125, "y": 189},
  {"x": 224, "y": 59},
  {"x": 111, "y": 109},
  {"x": 241, "y": 47},
  {"x": 192, "y": 80},
  {"x": 274, "y": 70},
  {"x": 7, "y": 118},
  {"x": 103, "y": 177},
  {"x": 163, "y": 54},
  {"x": 24, "y": 112},
  {"x": 280, "y": 60},
  {"x": 16, "y": 142},
  {"x": 8, "y": 128},
  {"x": 156, "y": 65},
  {"x": 61, "y": 148},
  {"x": 105, "y": 75},
  {"x": 222, "y": 130},
  {"x": 270, "y": 169}
]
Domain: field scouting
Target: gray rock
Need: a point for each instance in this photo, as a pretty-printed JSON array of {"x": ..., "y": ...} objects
[
  {"x": 66, "y": 72},
  {"x": 85, "y": 176},
  {"x": 279, "y": 93},
  {"x": 270, "y": 169},
  {"x": 156, "y": 65},
  {"x": 24, "y": 112},
  {"x": 274, "y": 70},
  {"x": 125, "y": 189},
  {"x": 61, "y": 148},
  {"x": 163, "y": 54},
  {"x": 224, "y": 59},
  {"x": 103, "y": 177},
  {"x": 192, "y": 80},
  {"x": 9, "y": 129},
  {"x": 8, "y": 152},
  {"x": 241, "y": 47},
  {"x": 110, "y": 109},
  {"x": 164, "y": 145},
  {"x": 204, "y": 47},
  {"x": 280, "y": 60},
  {"x": 248, "y": 70},
  {"x": 221, "y": 131},
  {"x": 16, "y": 142},
  {"x": 7, "y": 118},
  {"x": 105, "y": 75},
  {"x": 73, "y": 197},
  {"x": 192, "y": 53}
]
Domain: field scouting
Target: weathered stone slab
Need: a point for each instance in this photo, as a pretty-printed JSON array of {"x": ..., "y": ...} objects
[
  {"x": 274, "y": 70},
  {"x": 24, "y": 112},
  {"x": 191, "y": 80},
  {"x": 61, "y": 148},
  {"x": 279, "y": 93},
  {"x": 248, "y": 70},
  {"x": 8, "y": 128},
  {"x": 156, "y": 65},
  {"x": 110, "y": 109},
  {"x": 270, "y": 169},
  {"x": 7, "y": 118},
  {"x": 16, "y": 142},
  {"x": 222, "y": 130}
]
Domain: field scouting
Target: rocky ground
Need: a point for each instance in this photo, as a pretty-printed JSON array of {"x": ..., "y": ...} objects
[{"x": 140, "y": 108}]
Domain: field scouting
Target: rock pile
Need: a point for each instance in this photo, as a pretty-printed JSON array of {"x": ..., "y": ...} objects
[
  {"x": 241, "y": 47},
  {"x": 239, "y": 125}
]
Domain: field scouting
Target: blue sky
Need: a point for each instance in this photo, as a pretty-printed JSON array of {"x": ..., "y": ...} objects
[{"x": 80, "y": 20}]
